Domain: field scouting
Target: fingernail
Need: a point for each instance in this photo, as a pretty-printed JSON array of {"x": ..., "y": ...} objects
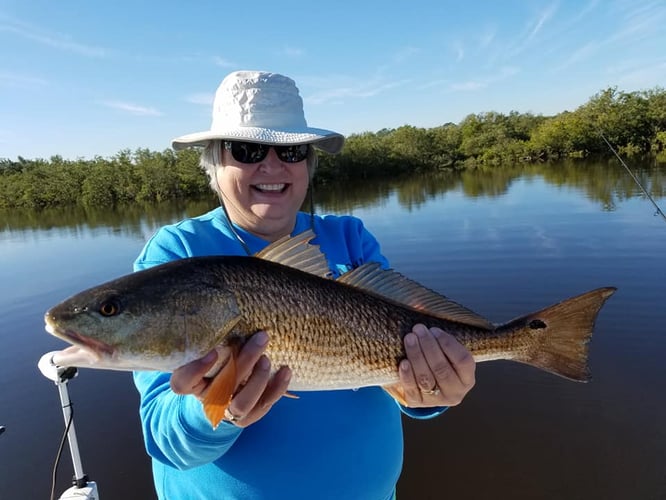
[
  {"x": 260, "y": 338},
  {"x": 209, "y": 358},
  {"x": 410, "y": 340},
  {"x": 419, "y": 329},
  {"x": 263, "y": 363},
  {"x": 404, "y": 365}
]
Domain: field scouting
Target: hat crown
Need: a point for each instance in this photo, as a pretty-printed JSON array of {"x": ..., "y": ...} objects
[
  {"x": 258, "y": 99},
  {"x": 263, "y": 107}
]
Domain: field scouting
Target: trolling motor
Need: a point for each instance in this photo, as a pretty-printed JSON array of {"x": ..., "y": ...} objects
[{"x": 81, "y": 489}]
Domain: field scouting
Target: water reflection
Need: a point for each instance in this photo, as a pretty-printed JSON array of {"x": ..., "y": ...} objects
[
  {"x": 128, "y": 220},
  {"x": 604, "y": 182}
]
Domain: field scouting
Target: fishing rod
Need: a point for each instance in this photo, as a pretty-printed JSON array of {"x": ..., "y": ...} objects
[{"x": 658, "y": 212}]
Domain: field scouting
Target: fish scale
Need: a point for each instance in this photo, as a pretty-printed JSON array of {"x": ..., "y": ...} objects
[{"x": 342, "y": 346}]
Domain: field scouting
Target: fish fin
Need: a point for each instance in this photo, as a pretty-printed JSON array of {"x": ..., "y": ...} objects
[
  {"x": 219, "y": 392},
  {"x": 394, "y": 286},
  {"x": 563, "y": 332},
  {"x": 397, "y": 392},
  {"x": 290, "y": 395},
  {"x": 298, "y": 253}
]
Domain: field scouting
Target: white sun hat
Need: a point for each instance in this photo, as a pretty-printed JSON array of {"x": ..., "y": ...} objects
[{"x": 262, "y": 107}]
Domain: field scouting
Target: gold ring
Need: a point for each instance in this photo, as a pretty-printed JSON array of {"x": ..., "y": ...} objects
[{"x": 230, "y": 417}]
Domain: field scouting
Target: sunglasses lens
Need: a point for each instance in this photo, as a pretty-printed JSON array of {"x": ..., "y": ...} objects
[
  {"x": 292, "y": 154},
  {"x": 251, "y": 152},
  {"x": 248, "y": 152}
]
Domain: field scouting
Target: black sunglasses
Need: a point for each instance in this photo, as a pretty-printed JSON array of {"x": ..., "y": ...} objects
[{"x": 252, "y": 152}]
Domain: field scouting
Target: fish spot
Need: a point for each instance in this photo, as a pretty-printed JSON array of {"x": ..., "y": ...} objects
[{"x": 537, "y": 324}]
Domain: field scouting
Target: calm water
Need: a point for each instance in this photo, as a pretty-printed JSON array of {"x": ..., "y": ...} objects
[{"x": 502, "y": 242}]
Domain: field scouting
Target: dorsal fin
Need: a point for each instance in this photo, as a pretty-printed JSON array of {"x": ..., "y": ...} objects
[
  {"x": 393, "y": 285},
  {"x": 297, "y": 252}
]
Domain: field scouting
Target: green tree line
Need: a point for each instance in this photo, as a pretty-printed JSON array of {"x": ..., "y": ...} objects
[
  {"x": 141, "y": 176},
  {"x": 633, "y": 122}
]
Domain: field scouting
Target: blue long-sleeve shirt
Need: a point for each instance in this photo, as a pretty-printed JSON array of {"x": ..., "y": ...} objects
[{"x": 329, "y": 444}]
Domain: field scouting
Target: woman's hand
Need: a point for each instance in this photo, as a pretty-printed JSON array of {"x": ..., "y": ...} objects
[
  {"x": 438, "y": 371},
  {"x": 255, "y": 392}
]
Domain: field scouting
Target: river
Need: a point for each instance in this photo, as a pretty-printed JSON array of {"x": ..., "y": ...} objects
[{"x": 503, "y": 242}]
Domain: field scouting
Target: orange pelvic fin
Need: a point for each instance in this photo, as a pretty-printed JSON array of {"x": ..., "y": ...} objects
[{"x": 219, "y": 392}]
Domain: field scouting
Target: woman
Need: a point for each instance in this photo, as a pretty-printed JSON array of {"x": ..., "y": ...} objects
[{"x": 260, "y": 157}]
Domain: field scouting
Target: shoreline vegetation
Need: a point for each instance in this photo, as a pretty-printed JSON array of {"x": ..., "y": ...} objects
[{"x": 633, "y": 122}]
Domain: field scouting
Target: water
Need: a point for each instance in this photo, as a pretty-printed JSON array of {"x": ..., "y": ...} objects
[{"x": 502, "y": 242}]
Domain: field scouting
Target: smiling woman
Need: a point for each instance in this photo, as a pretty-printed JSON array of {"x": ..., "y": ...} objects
[{"x": 260, "y": 156}]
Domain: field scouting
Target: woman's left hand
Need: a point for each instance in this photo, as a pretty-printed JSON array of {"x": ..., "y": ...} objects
[{"x": 438, "y": 371}]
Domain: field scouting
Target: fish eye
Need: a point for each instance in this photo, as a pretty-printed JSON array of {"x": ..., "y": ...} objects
[{"x": 109, "y": 307}]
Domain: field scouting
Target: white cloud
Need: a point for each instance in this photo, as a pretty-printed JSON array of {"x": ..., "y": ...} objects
[
  {"x": 55, "y": 40},
  {"x": 132, "y": 109},
  {"x": 533, "y": 27},
  {"x": 638, "y": 24},
  {"x": 481, "y": 83},
  {"x": 357, "y": 91},
  {"x": 581, "y": 54},
  {"x": 405, "y": 54},
  {"x": 468, "y": 86},
  {"x": 641, "y": 22},
  {"x": 202, "y": 98},
  {"x": 643, "y": 77},
  {"x": 11, "y": 79},
  {"x": 223, "y": 63},
  {"x": 293, "y": 52},
  {"x": 487, "y": 38},
  {"x": 581, "y": 14},
  {"x": 544, "y": 16},
  {"x": 434, "y": 83}
]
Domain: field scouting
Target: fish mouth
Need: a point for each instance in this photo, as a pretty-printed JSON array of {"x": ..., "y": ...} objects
[
  {"x": 75, "y": 356},
  {"x": 84, "y": 348}
]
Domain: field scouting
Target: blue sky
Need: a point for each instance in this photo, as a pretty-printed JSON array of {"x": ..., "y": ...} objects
[{"x": 80, "y": 78}]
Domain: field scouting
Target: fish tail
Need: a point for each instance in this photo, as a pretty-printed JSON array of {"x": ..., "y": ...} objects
[{"x": 563, "y": 333}]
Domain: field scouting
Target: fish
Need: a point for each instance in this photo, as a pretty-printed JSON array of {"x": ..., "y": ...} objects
[{"x": 333, "y": 333}]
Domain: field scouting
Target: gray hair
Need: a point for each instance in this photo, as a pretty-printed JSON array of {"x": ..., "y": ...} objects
[{"x": 211, "y": 158}]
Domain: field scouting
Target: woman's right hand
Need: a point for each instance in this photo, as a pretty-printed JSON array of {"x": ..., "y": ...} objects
[{"x": 256, "y": 390}]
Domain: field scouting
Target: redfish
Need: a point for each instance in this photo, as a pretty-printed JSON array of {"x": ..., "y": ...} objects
[{"x": 342, "y": 333}]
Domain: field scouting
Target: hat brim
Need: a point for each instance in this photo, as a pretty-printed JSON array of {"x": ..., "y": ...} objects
[{"x": 326, "y": 140}]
